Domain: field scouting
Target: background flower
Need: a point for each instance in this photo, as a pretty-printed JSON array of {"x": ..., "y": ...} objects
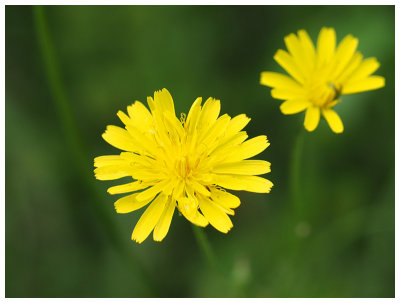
[{"x": 320, "y": 76}]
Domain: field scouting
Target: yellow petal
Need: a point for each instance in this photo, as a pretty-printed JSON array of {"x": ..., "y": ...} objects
[
  {"x": 140, "y": 116},
  {"x": 108, "y": 160},
  {"x": 215, "y": 132},
  {"x": 370, "y": 83},
  {"x": 236, "y": 124},
  {"x": 188, "y": 208},
  {"x": 344, "y": 54},
  {"x": 224, "y": 198},
  {"x": 288, "y": 63},
  {"x": 279, "y": 80},
  {"x": 294, "y": 106},
  {"x": 163, "y": 101},
  {"x": 225, "y": 146},
  {"x": 124, "y": 118},
  {"x": 246, "y": 150},
  {"x": 149, "y": 219},
  {"x": 312, "y": 118},
  {"x": 129, "y": 203},
  {"x": 333, "y": 119},
  {"x": 308, "y": 47},
  {"x": 197, "y": 218},
  {"x": 366, "y": 68},
  {"x": 350, "y": 68},
  {"x": 193, "y": 114},
  {"x": 215, "y": 215},
  {"x": 198, "y": 187},
  {"x": 240, "y": 182},
  {"x": 209, "y": 113},
  {"x": 141, "y": 141},
  {"x": 162, "y": 227},
  {"x": 126, "y": 188},
  {"x": 286, "y": 94},
  {"x": 112, "y": 172},
  {"x": 244, "y": 167},
  {"x": 119, "y": 138},
  {"x": 295, "y": 48},
  {"x": 152, "y": 191},
  {"x": 326, "y": 45}
]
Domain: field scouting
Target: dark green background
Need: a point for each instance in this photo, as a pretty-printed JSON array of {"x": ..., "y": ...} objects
[{"x": 333, "y": 238}]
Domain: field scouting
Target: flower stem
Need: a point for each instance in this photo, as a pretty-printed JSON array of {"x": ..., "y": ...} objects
[
  {"x": 204, "y": 245},
  {"x": 74, "y": 140},
  {"x": 76, "y": 146},
  {"x": 296, "y": 195}
]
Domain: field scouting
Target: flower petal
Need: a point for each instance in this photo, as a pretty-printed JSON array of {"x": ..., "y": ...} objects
[
  {"x": 294, "y": 106},
  {"x": 129, "y": 203},
  {"x": 295, "y": 48},
  {"x": 152, "y": 191},
  {"x": 224, "y": 198},
  {"x": 140, "y": 116},
  {"x": 241, "y": 182},
  {"x": 365, "y": 69},
  {"x": 286, "y": 94},
  {"x": 244, "y": 167},
  {"x": 108, "y": 160},
  {"x": 119, "y": 138},
  {"x": 162, "y": 227},
  {"x": 350, "y": 68},
  {"x": 333, "y": 119},
  {"x": 287, "y": 62},
  {"x": 188, "y": 208},
  {"x": 236, "y": 124},
  {"x": 370, "y": 83},
  {"x": 126, "y": 188},
  {"x": 163, "y": 101},
  {"x": 149, "y": 219},
  {"x": 209, "y": 113},
  {"x": 215, "y": 215},
  {"x": 312, "y": 118},
  {"x": 279, "y": 80},
  {"x": 112, "y": 172},
  {"x": 325, "y": 45},
  {"x": 246, "y": 150},
  {"x": 344, "y": 53},
  {"x": 308, "y": 46},
  {"x": 193, "y": 114}
]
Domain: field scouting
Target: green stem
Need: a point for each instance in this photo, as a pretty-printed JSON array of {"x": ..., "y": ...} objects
[
  {"x": 64, "y": 112},
  {"x": 204, "y": 245},
  {"x": 295, "y": 167},
  {"x": 75, "y": 142}
]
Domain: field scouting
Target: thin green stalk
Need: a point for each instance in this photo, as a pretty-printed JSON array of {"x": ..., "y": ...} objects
[
  {"x": 75, "y": 142},
  {"x": 204, "y": 245},
  {"x": 69, "y": 126},
  {"x": 294, "y": 174}
]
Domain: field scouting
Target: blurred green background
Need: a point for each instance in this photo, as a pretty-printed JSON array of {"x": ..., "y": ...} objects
[{"x": 333, "y": 238}]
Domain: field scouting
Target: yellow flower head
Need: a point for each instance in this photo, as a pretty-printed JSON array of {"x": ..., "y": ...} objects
[
  {"x": 320, "y": 76},
  {"x": 181, "y": 163}
]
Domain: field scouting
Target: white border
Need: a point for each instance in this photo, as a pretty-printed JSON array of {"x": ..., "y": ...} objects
[
  {"x": 197, "y": 2},
  {"x": 180, "y": 2}
]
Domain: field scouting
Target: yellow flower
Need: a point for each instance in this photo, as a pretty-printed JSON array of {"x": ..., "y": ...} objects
[
  {"x": 181, "y": 163},
  {"x": 320, "y": 76}
]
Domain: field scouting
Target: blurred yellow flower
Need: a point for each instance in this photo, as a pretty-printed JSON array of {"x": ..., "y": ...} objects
[
  {"x": 320, "y": 76},
  {"x": 181, "y": 163}
]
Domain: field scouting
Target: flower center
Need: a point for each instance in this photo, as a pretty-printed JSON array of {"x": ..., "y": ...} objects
[
  {"x": 323, "y": 93},
  {"x": 183, "y": 167}
]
